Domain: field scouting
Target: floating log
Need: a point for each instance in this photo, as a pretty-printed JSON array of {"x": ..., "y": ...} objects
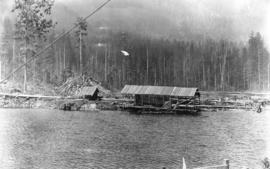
[
  {"x": 179, "y": 108},
  {"x": 219, "y": 107},
  {"x": 29, "y": 96},
  {"x": 158, "y": 110},
  {"x": 225, "y": 165}
]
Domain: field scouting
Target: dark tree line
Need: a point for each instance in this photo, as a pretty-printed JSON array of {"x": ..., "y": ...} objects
[{"x": 207, "y": 64}]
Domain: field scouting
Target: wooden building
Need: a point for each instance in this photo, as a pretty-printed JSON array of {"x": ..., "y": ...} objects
[
  {"x": 89, "y": 92},
  {"x": 161, "y": 95}
]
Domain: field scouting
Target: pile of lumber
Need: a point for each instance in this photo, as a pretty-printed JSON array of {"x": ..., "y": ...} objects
[{"x": 73, "y": 86}]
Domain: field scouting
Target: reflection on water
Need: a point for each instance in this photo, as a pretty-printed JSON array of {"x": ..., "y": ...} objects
[{"x": 106, "y": 139}]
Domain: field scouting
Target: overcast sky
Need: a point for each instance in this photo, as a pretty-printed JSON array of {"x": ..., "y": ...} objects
[{"x": 239, "y": 16}]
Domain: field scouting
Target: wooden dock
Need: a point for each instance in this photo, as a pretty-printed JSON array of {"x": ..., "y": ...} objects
[
  {"x": 128, "y": 104},
  {"x": 220, "y": 107},
  {"x": 180, "y": 108},
  {"x": 158, "y": 110}
]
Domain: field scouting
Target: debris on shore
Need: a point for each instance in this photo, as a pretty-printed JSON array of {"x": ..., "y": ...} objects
[
  {"x": 66, "y": 97},
  {"x": 249, "y": 101},
  {"x": 73, "y": 86}
]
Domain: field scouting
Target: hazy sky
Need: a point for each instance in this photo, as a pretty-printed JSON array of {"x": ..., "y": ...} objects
[{"x": 237, "y": 17}]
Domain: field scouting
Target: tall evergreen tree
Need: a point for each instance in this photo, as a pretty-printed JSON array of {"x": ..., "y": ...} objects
[
  {"x": 32, "y": 25},
  {"x": 80, "y": 32}
]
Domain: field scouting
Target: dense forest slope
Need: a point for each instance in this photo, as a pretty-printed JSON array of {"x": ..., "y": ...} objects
[{"x": 188, "y": 43}]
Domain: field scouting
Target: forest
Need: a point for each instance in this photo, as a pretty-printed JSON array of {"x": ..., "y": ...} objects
[{"x": 116, "y": 58}]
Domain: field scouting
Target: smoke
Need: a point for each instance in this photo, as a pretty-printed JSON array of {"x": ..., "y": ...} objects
[{"x": 182, "y": 19}]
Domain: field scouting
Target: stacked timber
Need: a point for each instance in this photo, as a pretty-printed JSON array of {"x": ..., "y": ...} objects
[{"x": 74, "y": 85}]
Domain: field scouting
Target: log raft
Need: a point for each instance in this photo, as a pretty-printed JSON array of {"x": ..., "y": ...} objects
[
  {"x": 128, "y": 104},
  {"x": 180, "y": 108},
  {"x": 177, "y": 99}
]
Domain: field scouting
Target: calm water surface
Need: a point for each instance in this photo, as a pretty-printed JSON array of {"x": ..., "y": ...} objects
[{"x": 52, "y": 139}]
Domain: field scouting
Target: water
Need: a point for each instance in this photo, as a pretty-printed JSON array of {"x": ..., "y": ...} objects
[{"x": 52, "y": 139}]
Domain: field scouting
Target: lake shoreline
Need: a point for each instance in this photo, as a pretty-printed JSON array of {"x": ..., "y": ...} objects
[{"x": 213, "y": 99}]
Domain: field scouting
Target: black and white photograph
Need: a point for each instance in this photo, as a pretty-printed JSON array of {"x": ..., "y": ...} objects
[{"x": 134, "y": 84}]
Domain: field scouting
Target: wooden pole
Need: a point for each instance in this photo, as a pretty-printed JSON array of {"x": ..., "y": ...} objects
[
  {"x": 259, "y": 72},
  {"x": 105, "y": 65},
  {"x": 147, "y": 65},
  {"x": 25, "y": 68},
  {"x": 268, "y": 76},
  {"x": 60, "y": 62},
  {"x": 227, "y": 163},
  {"x": 81, "y": 64},
  {"x": 25, "y": 73},
  {"x": 223, "y": 69},
  {"x": 96, "y": 63},
  {"x": 164, "y": 69},
  {"x": 123, "y": 70},
  {"x": 64, "y": 55},
  {"x": 4, "y": 66},
  {"x": 13, "y": 57}
]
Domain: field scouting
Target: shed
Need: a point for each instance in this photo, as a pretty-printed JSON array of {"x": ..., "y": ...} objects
[
  {"x": 159, "y": 95},
  {"x": 89, "y": 92}
]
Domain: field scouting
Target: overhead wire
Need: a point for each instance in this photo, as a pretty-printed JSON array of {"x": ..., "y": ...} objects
[{"x": 53, "y": 42}]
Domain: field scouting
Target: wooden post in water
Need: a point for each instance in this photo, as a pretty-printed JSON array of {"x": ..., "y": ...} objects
[{"x": 227, "y": 163}]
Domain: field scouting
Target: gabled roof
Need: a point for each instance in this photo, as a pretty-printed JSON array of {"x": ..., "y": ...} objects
[
  {"x": 89, "y": 90},
  {"x": 159, "y": 90}
]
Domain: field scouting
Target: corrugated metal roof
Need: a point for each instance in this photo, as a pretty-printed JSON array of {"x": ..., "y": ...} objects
[
  {"x": 142, "y": 89},
  {"x": 183, "y": 91},
  {"x": 159, "y": 90},
  {"x": 89, "y": 90},
  {"x": 167, "y": 91},
  {"x": 132, "y": 89},
  {"x": 153, "y": 90},
  {"x": 125, "y": 89}
]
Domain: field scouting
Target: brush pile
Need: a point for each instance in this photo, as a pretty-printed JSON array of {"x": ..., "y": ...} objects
[{"x": 73, "y": 86}]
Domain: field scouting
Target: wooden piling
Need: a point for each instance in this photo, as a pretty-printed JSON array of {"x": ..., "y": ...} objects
[{"x": 227, "y": 163}]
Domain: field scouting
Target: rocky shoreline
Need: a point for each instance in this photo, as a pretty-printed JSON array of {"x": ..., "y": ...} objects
[{"x": 18, "y": 102}]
